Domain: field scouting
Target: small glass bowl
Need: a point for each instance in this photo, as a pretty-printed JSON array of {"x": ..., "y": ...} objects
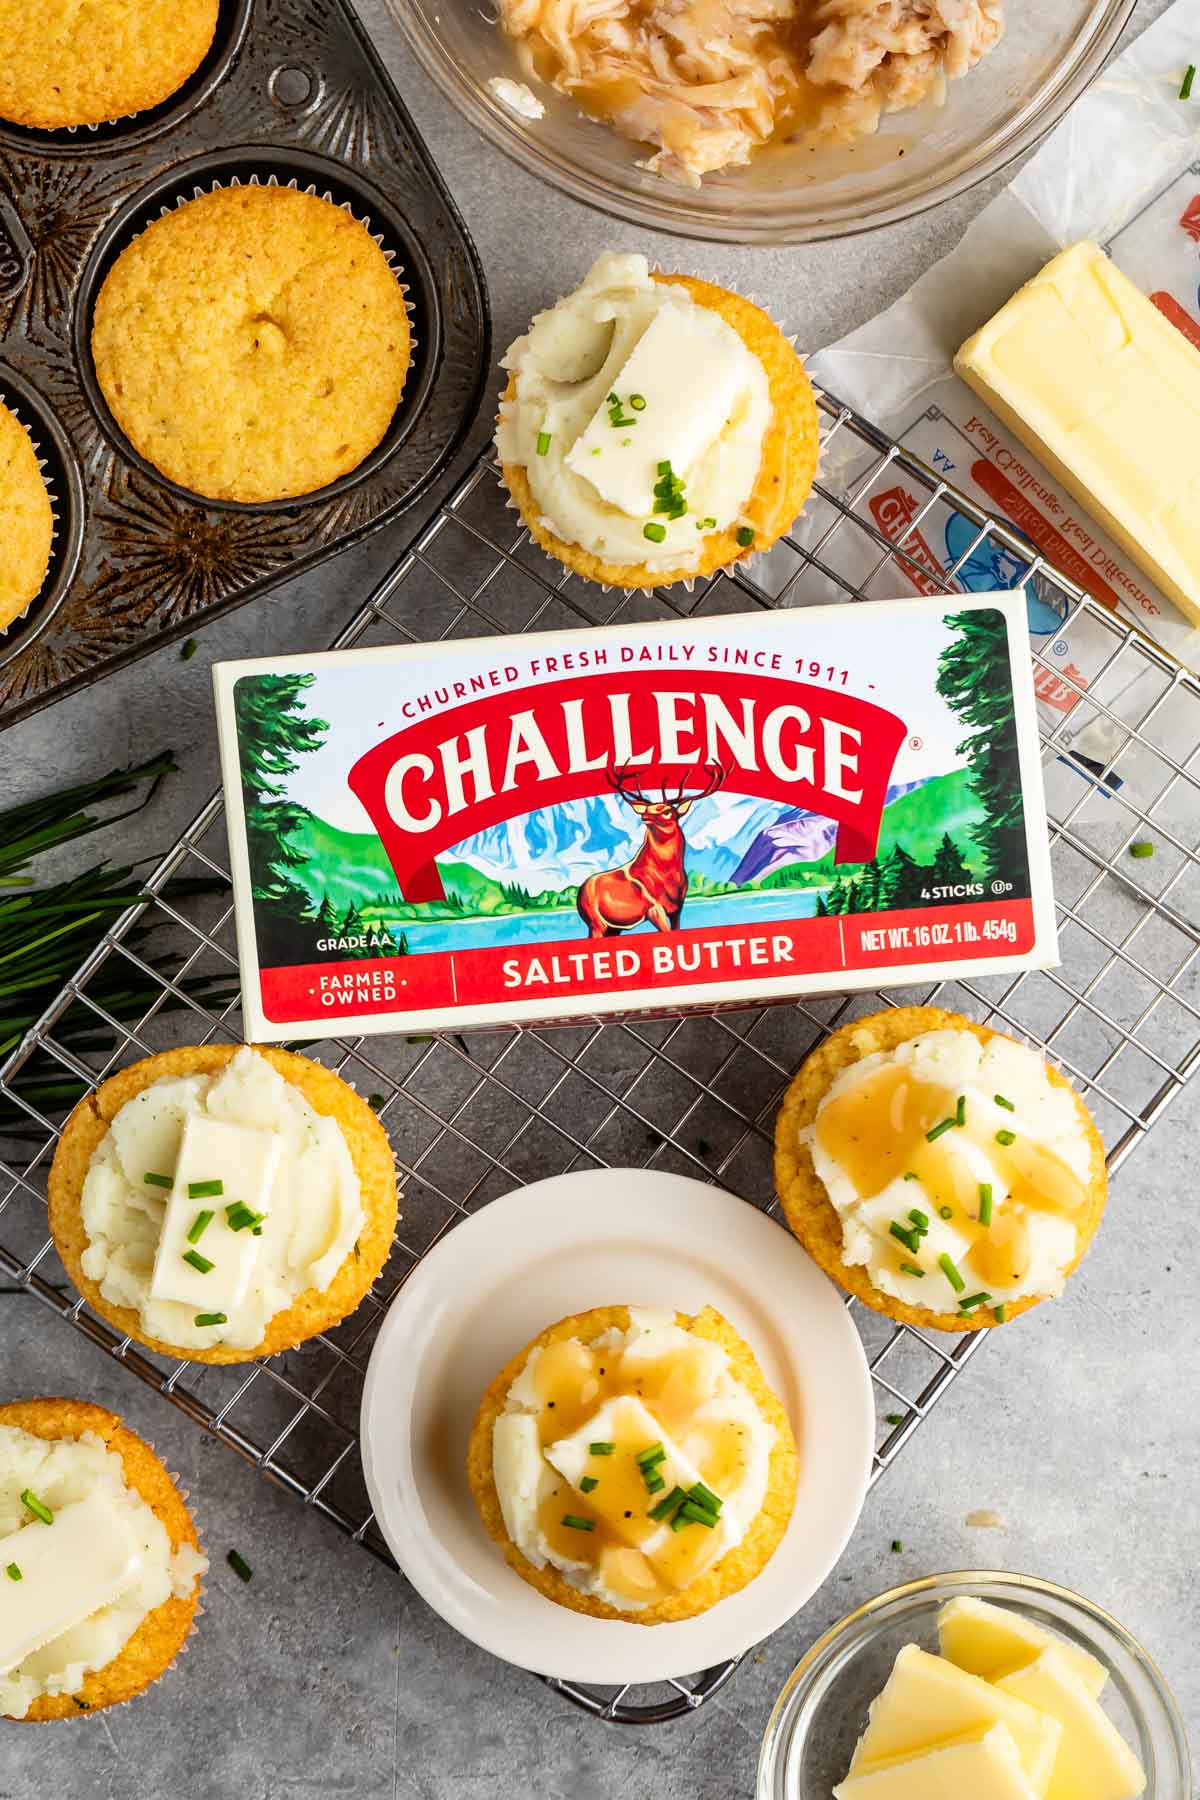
[{"x": 820, "y": 1714}]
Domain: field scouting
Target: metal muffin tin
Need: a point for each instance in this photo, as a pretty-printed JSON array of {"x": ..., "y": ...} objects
[{"x": 293, "y": 92}]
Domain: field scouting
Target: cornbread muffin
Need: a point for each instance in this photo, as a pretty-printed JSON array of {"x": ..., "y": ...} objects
[
  {"x": 26, "y": 520},
  {"x": 126, "y": 1213},
  {"x": 68, "y": 64},
  {"x": 752, "y": 439},
  {"x": 686, "y": 1393},
  {"x": 253, "y": 343},
  {"x": 954, "y": 1162},
  {"x": 164, "y": 1628}
]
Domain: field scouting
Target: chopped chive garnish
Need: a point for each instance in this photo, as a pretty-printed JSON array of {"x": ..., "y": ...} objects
[
  {"x": 971, "y": 1301},
  {"x": 678, "y": 1522},
  {"x": 188, "y": 650},
  {"x": 575, "y": 1523},
  {"x": 897, "y": 1546},
  {"x": 947, "y": 1266},
  {"x": 663, "y": 1509},
  {"x": 601, "y": 1448},
  {"x": 239, "y": 1565},
  {"x": 1001, "y": 1312},
  {"x": 1185, "y": 92},
  {"x": 655, "y": 1483},
  {"x": 1006, "y": 1104},
  {"x": 205, "y": 1190},
  {"x": 912, "y": 1269},
  {"x": 985, "y": 1203},
  {"x": 894, "y": 1418},
  {"x": 587, "y": 1484},
  {"x": 938, "y": 1131},
  {"x": 1006, "y": 1137},
  {"x": 697, "y": 1515},
  {"x": 656, "y": 533},
  {"x": 638, "y": 402},
  {"x": 1141, "y": 848},
  {"x": 163, "y": 1181},
  {"x": 709, "y": 524},
  {"x": 199, "y": 1226},
  {"x": 240, "y": 1216},
  {"x": 543, "y": 442},
  {"x": 37, "y": 1507},
  {"x": 198, "y": 1262},
  {"x": 654, "y": 1453},
  {"x": 919, "y": 1219},
  {"x": 13, "y": 1572},
  {"x": 910, "y": 1239},
  {"x": 911, "y": 1175},
  {"x": 960, "y": 1111},
  {"x": 745, "y": 536},
  {"x": 704, "y": 1496},
  {"x": 211, "y": 1319},
  {"x": 945, "y": 1212}
]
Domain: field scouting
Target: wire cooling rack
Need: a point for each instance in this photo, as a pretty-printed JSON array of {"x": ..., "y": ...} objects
[{"x": 472, "y": 1118}]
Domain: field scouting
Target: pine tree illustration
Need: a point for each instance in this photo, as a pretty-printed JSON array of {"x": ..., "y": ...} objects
[
  {"x": 326, "y": 917},
  {"x": 949, "y": 868},
  {"x": 272, "y": 733},
  {"x": 974, "y": 677},
  {"x": 901, "y": 881},
  {"x": 822, "y": 909}
]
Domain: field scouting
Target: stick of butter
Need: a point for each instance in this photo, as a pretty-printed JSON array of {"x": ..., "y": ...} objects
[
  {"x": 991, "y": 1641},
  {"x": 927, "y": 1702},
  {"x": 1094, "y": 1762},
  {"x": 85, "y": 1560},
  {"x": 1089, "y": 375},
  {"x": 987, "y": 1767}
]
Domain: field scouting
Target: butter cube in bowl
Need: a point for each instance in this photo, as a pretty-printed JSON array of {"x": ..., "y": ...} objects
[{"x": 998, "y": 1686}]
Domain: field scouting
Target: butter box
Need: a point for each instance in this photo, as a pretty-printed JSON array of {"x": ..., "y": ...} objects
[{"x": 652, "y": 817}]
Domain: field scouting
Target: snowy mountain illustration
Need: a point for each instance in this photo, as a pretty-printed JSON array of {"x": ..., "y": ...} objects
[
  {"x": 559, "y": 846},
  {"x": 797, "y": 836}
]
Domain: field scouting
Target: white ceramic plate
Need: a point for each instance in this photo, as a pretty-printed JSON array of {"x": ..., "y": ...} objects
[{"x": 597, "y": 1238}]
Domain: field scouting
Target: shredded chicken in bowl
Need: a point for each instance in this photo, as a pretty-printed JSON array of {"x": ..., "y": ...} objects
[{"x": 707, "y": 83}]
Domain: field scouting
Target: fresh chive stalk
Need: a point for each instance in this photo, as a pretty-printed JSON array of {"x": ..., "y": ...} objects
[
  {"x": 239, "y": 1565},
  {"x": 199, "y": 1226},
  {"x": 211, "y": 1319},
  {"x": 37, "y": 1507},
  {"x": 201, "y": 1264},
  {"x": 602, "y": 1447},
  {"x": 949, "y": 1269},
  {"x": 574, "y": 1523},
  {"x": 46, "y": 932},
  {"x": 162, "y": 1181},
  {"x": 985, "y": 1203}
]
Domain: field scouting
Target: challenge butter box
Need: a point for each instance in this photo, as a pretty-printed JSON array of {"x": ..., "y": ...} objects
[{"x": 645, "y": 817}]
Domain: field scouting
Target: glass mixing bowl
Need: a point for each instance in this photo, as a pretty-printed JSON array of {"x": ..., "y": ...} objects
[
  {"x": 1051, "y": 51},
  {"x": 821, "y": 1712}
]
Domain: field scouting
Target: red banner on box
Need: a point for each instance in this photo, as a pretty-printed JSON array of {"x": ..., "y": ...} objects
[{"x": 643, "y": 963}]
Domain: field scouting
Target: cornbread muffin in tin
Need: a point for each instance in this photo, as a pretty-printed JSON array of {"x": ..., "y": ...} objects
[
  {"x": 164, "y": 1631},
  {"x": 811, "y": 1213},
  {"x": 787, "y": 467},
  {"x": 739, "y": 1565},
  {"x": 63, "y": 64},
  {"x": 313, "y": 1310},
  {"x": 26, "y": 520},
  {"x": 253, "y": 343}
]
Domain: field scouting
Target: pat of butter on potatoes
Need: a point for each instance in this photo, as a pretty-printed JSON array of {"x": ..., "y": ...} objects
[{"x": 1105, "y": 391}]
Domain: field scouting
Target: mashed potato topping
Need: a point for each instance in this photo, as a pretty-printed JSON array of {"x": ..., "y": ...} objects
[
  {"x": 61, "y": 1474},
  {"x": 601, "y": 1445},
  {"x": 708, "y": 82}
]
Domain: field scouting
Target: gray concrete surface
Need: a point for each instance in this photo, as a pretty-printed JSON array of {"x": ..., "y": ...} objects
[{"x": 325, "y": 1675}]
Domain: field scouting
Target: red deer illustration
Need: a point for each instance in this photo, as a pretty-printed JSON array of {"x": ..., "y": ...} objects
[{"x": 652, "y": 885}]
